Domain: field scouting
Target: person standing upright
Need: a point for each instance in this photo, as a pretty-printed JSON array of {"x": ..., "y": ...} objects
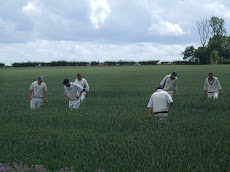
[
  {"x": 212, "y": 86},
  {"x": 36, "y": 91},
  {"x": 169, "y": 84}
]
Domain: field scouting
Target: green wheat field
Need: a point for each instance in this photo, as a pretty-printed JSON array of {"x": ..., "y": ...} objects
[{"x": 111, "y": 131}]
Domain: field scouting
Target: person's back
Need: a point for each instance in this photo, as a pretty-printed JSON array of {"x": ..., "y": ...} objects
[{"x": 160, "y": 102}]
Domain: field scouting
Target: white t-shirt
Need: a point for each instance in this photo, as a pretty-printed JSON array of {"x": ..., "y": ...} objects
[
  {"x": 38, "y": 90},
  {"x": 212, "y": 86},
  {"x": 72, "y": 91},
  {"x": 168, "y": 84},
  {"x": 159, "y": 101},
  {"x": 82, "y": 83}
]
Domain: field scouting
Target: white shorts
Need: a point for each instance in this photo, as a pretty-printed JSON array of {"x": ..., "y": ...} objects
[
  {"x": 35, "y": 103},
  {"x": 161, "y": 115},
  {"x": 170, "y": 93},
  {"x": 74, "y": 104},
  {"x": 214, "y": 95},
  {"x": 83, "y": 95}
]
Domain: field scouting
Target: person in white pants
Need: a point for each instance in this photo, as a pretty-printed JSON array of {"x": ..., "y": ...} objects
[
  {"x": 169, "y": 84},
  {"x": 82, "y": 82},
  {"x": 212, "y": 86},
  {"x": 71, "y": 91},
  {"x": 160, "y": 104},
  {"x": 36, "y": 91}
]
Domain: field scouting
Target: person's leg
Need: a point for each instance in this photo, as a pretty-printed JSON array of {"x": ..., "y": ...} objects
[
  {"x": 32, "y": 104},
  {"x": 76, "y": 104},
  {"x": 161, "y": 116},
  {"x": 170, "y": 93},
  {"x": 39, "y": 103},
  {"x": 71, "y": 104},
  {"x": 210, "y": 95},
  {"x": 35, "y": 103},
  {"x": 215, "y": 95},
  {"x": 83, "y": 96}
]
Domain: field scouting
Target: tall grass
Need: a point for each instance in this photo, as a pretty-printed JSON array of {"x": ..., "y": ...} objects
[{"x": 111, "y": 130}]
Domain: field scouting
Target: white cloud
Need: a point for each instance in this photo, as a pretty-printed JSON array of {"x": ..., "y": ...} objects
[
  {"x": 218, "y": 9},
  {"x": 31, "y": 9},
  {"x": 165, "y": 28},
  {"x": 100, "y": 10}
]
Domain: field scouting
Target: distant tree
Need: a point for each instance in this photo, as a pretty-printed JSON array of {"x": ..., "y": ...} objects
[
  {"x": 203, "y": 29},
  {"x": 220, "y": 44},
  {"x": 217, "y": 26},
  {"x": 203, "y": 55},
  {"x": 188, "y": 54},
  {"x": 2, "y": 64},
  {"x": 150, "y": 62},
  {"x": 215, "y": 58},
  {"x": 94, "y": 63},
  {"x": 225, "y": 53}
]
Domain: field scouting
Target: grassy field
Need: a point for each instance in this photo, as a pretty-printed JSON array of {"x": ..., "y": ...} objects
[{"x": 112, "y": 131}]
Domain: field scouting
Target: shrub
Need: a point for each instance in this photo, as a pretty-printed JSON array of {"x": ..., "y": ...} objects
[
  {"x": 153, "y": 62},
  {"x": 94, "y": 63},
  {"x": 225, "y": 62},
  {"x": 181, "y": 62},
  {"x": 2, "y": 64},
  {"x": 110, "y": 63},
  {"x": 165, "y": 62}
]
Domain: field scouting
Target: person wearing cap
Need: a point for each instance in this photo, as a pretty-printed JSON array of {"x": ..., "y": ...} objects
[
  {"x": 159, "y": 104},
  {"x": 169, "y": 84},
  {"x": 73, "y": 93},
  {"x": 82, "y": 82},
  {"x": 212, "y": 86},
  {"x": 36, "y": 91}
]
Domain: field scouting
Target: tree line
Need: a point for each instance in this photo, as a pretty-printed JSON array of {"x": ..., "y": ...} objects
[
  {"x": 214, "y": 41},
  {"x": 75, "y": 63},
  {"x": 106, "y": 63}
]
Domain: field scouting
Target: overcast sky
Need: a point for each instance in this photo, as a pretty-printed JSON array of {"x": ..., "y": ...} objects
[{"x": 88, "y": 30}]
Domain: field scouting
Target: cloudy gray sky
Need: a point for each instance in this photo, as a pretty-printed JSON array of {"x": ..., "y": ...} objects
[{"x": 87, "y": 30}]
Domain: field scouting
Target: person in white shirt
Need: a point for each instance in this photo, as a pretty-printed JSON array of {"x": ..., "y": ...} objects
[
  {"x": 160, "y": 104},
  {"x": 82, "y": 82},
  {"x": 212, "y": 86},
  {"x": 71, "y": 91},
  {"x": 169, "y": 84},
  {"x": 36, "y": 91}
]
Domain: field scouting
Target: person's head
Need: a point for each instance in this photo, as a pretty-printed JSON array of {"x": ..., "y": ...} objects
[
  {"x": 66, "y": 82},
  {"x": 210, "y": 76},
  {"x": 40, "y": 79},
  {"x": 159, "y": 88},
  {"x": 79, "y": 77},
  {"x": 173, "y": 75}
]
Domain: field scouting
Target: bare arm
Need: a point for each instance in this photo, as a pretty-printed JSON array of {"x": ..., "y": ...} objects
[
  {"x": 220, "y": 89},
  {"x": 163, "y": 82},
  {"x": 150, "y": 112},
  {"x": 205, "y": 92},
  {"x": 169, "y": 107},
  {"x": 86, "y": 94},
  {"x": 67, "y": 97},
  {"x": 30, "y": 92},
  {"x": 205, "y": 88},
  {"x": 174, "y": 93},
  {"x": 46, "y": 97}
]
